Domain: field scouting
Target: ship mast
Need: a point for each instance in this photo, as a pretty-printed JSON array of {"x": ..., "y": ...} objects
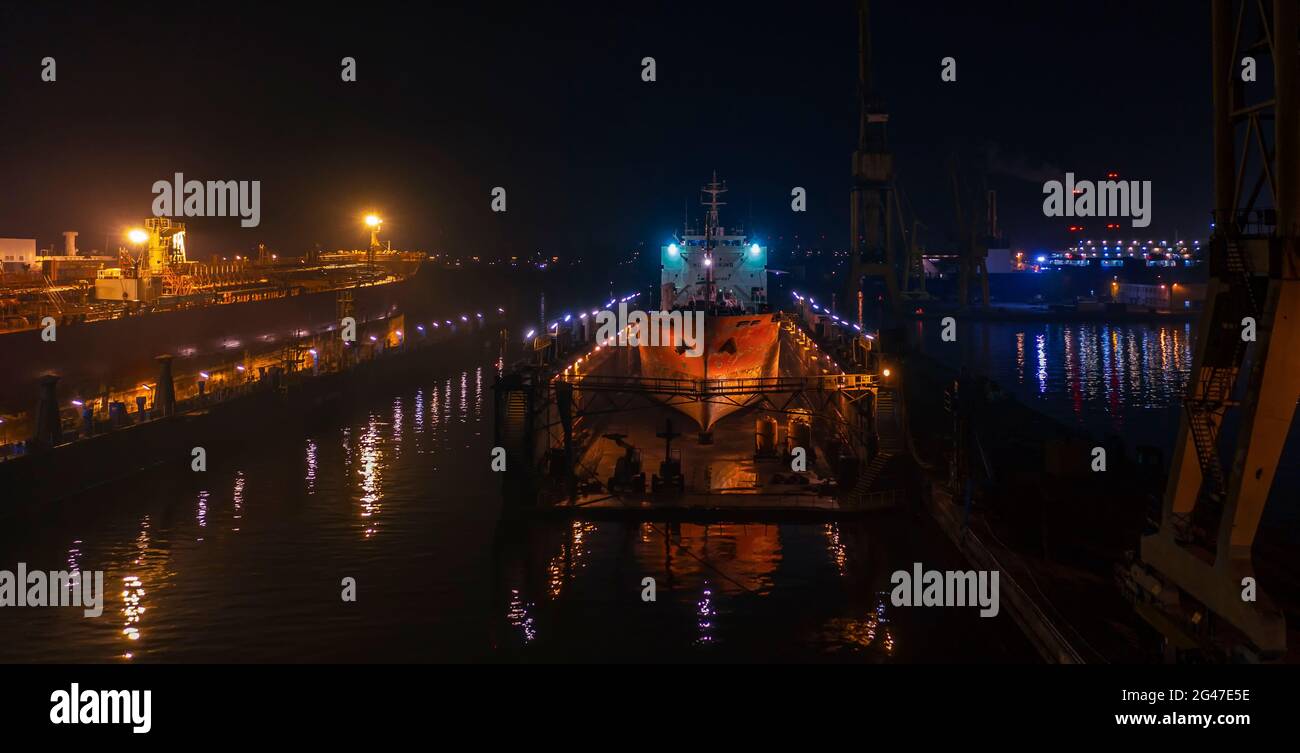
[{"x": 711, "y": 231}]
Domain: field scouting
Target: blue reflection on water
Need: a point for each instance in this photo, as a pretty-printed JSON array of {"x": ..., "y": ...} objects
[{"x": 1126, "y": 379}]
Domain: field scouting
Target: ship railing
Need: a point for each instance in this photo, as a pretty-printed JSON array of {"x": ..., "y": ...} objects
[
  {"x": 731, "y": 386},
  {"x": 808, "y": 500}
]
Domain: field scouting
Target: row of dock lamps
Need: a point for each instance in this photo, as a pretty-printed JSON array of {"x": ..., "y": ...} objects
[
  {"x": 886, "y": 372},
  {"x": 555, "y": 325},
  {"x": 204, "y": 376}
]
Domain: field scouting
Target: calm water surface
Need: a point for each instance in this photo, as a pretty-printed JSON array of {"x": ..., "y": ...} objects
[
  {"x": 245, "y": 563},
  {"x": 1123, "y": 380}
]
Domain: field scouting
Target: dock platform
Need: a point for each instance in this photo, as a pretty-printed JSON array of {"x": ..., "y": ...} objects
[{"x": 723, "y": 479}]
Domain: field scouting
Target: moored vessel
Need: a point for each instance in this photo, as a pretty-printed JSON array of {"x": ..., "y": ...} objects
[
  {"x": 720, "y": 276},
  {"x": 107, "y": 333}
]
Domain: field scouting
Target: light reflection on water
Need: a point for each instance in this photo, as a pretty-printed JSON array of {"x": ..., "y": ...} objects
[
  {"x": 835, "y": 547},
  {"x": 706, "y": 614},
  {"x": 371, "y": 467},
  {"x": 719, "y": 589},
  {"x": 310, "y": 478},
  {"x": 1124, "y": 378},
  {"x": 133, "y": 591},
  {"x": 519, "y": 618},
  {"x": 237, "y": 501},
  {"x": 74, "y": 566},
  {"x": 201, "y": 515},
  {"x": 243, "y": 562}
]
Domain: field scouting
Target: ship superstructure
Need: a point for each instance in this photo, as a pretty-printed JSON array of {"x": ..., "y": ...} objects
[
  {"x": 713, "y": 270},
  {"x": 140, "y": 276}
]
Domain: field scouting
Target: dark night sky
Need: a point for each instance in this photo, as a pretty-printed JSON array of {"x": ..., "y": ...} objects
[{"x": 547, "y": 101}]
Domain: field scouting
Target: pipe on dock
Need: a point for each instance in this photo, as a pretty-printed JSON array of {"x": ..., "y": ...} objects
[
  {"x": 49, "y": 432},
  {"x": 165, "y": 401}
]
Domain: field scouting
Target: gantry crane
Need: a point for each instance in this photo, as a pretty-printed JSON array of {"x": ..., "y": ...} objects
[
  {"x": 1194, "y": 580},
  {"x": 973, "y": 251},
  {"x": 871, "y": 227}
]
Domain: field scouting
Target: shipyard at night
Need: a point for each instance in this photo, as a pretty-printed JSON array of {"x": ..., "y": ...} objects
[{"x": 881, "y": 337}]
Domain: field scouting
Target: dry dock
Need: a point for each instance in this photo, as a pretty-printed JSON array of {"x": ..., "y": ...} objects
[{"x": 587, "y": 436}]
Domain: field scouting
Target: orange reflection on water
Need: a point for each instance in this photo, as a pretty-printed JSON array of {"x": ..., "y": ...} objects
[
  {"x": 835, "y": 547},
  {"x": 564, "y": 567},
  {"x": 1020, "y": 356},
  {"x": 870, "y": 632},
  {"x": 735, "y": 557},
  {"x": 237, "y": 501}
]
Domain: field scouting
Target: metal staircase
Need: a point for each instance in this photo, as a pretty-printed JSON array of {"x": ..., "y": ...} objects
[
  {"x": 867, "y": 479},
  {"x": 890, "y": 436},
  {"x": 56, "y": 298},
  {"x": 1211, "y": 393},
  {"x": 889, "y": 426}
]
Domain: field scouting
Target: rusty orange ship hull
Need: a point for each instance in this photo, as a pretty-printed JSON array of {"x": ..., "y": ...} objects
[{"x": 739, "y": 346}]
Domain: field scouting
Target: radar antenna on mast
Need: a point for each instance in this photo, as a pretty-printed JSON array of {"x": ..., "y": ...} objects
[
  {"x": 714, "y": 189},
  {"x": 712, "y": 230}
]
